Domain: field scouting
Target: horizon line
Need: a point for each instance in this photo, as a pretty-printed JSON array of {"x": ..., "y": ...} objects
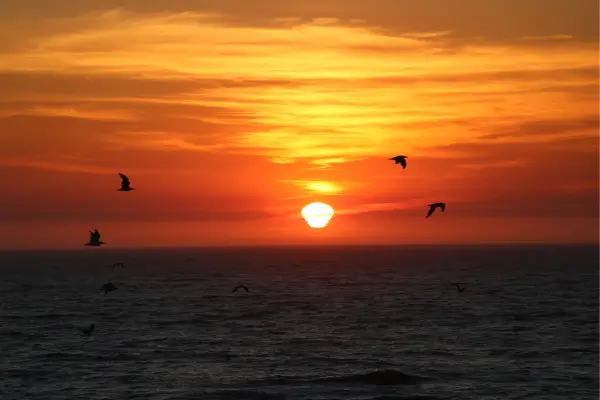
[{"x": 305, "y": 245}]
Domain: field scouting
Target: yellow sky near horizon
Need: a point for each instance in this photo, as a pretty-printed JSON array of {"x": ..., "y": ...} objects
[{"x": 229, "y": 119}]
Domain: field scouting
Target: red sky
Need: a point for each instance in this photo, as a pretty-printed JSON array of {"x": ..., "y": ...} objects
[{"x": 229, "y": 116}]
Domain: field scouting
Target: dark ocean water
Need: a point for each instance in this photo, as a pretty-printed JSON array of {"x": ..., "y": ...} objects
[{"x": 318, "y": 323}]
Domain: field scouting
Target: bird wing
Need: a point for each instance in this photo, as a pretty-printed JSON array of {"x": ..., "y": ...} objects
[
  {"x": 124, "y": 178},
  {"x": 431, "y": 210},
  {"x": 443, "y": 206},
  {"x": 403, "y": 162}
]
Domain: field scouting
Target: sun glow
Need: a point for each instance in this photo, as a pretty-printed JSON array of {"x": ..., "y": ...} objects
[
  {"x": 323, "y": 187},
  {"x": 317, "y": 215}
]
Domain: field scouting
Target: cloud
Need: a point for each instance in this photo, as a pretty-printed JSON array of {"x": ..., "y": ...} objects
[
  {"x": 550, "y": 37},
  {"x": 379, "y": 207},
  {"x": 322, "y": 187},
  {"x": 585, "y": 124},
  {"x": 162, "y": 141},
  {"x": 72, "y": 112},
  {"x": 321, "y": 91},
  {"x": 498, "y": 164},
  {"x": 135, "y": 215},
  {"x": 54, "y": 166}
]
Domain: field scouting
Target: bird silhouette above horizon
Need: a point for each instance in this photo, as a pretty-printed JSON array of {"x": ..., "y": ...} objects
[
  {"x": 125, "y": 184},
  {"x": 433, "y": 206},
  {"x": 457, "y": 286},
  {"x": 94, "y": 239},
  {"x": 240, "y": 287},
  {"x": 108, "y": 287},
  {"x": 399, "y": 160}
]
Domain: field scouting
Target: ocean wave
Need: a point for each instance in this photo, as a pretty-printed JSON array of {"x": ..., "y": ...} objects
[
  {"x": 247, "y": 395},
  {"x": 405, "y": 398},
  {"x": 382, "y": 377},
  {"x": 251, "y": 315}
]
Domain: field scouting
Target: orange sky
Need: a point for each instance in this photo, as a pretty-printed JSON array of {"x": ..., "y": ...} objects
[{"x": 230, "y": 115}]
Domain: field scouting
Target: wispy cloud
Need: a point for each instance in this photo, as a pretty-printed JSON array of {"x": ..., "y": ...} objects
[
  {"x": 58, "y": 166},
  {"x": 549, "y": 37},
  {"x": 162, "y": 141},
  {"x": 384, "y": 206},
  {"x": 73, "y": 112},
  {"x": 589, "y": 124},
  {"x": 324, "y": 91},
  {"x": 322, "y": 187},
  {"x": 498, "y": 164}
]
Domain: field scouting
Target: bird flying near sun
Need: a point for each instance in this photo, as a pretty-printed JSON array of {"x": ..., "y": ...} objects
[
  {"x": 400, "y": 160},
  {"x": 95, "y": 239},
  {"x": 317, "y": 215},
  {"x": 433, "y": 206},
  {"x": 125, "y": 184}
]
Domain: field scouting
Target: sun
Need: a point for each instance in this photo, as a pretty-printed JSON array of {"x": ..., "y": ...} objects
[{"x": 317, "y": 215}]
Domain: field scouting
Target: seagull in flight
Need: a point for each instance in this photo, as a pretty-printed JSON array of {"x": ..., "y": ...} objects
[
  {"x": 88, "y": 331},
  {"x": 94, "y": 239},
  {"x": 108, "y": 287},
  {"x": 125, "y": 184},
  {"x": 400, "y": 160},
  {"x": 458, "y": 287},
  {"x": 118, "y": 265},
  {"x": 240, "y": 287},
  {"x": 433, "y": 206}
]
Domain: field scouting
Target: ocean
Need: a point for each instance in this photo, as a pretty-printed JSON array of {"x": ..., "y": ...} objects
[{"x": 317, "y": 323}]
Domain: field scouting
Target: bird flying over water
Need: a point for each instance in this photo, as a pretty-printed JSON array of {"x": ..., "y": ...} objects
[
  {"x": 433, "y": 206},
  {"x": 125, "y": 184},
  {"x": 108, "y": 287},
  {"x": 94, "y": 239},
  {"x": 400, "y": 160},
  {"x": 458, "y": 287},
  {"x": 88, "y": 331},
  {"x": 240, "y": 287}
]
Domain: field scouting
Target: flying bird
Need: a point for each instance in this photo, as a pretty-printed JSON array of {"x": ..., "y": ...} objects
[
  {"x": 118, "y": 265},
  {"x": 125, "y": 184},
  {"x": 108, "y": 287},
  {"x": 94, "y": 239},
  {"x": 458, "y": 287},
  {"x": 400, "y": 160},
  {"x": 88, "y": 331},
  {"x": 240, "y": 287},
  {"x": 433, "y": 206}
]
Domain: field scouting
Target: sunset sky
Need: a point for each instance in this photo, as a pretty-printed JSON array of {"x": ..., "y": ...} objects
[{"x": 230, "y": 115}]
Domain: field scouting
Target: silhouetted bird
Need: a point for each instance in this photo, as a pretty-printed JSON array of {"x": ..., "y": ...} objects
[
  {"x": 88, "y": 331},
  {"x": 458, "y": 287},
  {"x": 400, "y": 160},
  {"x": 125, "y": 184},
  {"x": 118, "y": 265},
  {"x": 240, "y": 287},
  {"x": 94, "y": 239},
  {"x": 433, "y": 206},
  {"x": 108, "y": 287}
]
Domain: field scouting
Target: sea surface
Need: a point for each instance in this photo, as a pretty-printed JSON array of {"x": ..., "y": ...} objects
[{"x": 317, "y": 323}]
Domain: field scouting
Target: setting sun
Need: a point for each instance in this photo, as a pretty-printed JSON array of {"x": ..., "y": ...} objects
[{"x": 317, "y": 215}]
